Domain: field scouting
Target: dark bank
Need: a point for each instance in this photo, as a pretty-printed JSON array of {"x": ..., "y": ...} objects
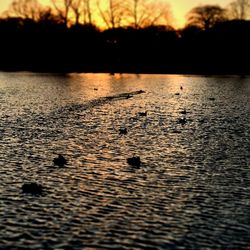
[{"x": 206, "y": 45}]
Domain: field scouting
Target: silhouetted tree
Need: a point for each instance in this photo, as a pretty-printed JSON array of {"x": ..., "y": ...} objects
[
  {"x": 87, "y": 12},
  {"x": 25, "y": 9},
  {"x": 142, "y": 13},
  {"x": 112, "y": 13},
  {"x": 206, "y": 16},
  {"x": 239, "y": 9},
  {"x": 62, "y": 8},
  {"x": 44, "y": 43},
  {"x": 48, "y": 18},
  {"x": 76, "y": 9}
]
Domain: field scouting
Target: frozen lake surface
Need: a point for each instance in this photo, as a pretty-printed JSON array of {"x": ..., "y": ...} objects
[{"x": 192, "y": 190}]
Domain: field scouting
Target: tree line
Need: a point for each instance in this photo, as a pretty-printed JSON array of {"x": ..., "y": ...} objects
[
  {"x": 107, "y": 13},
  {"x": 65, "y": 38},
  {"x": 120, "y": 13}
]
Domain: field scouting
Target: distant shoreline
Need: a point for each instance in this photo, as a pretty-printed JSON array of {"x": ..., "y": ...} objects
[
  {"x": 201, "y": 73},
  {"x": 220, "y": 50}
]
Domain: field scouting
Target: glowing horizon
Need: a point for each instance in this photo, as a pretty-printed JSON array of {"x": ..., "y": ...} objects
[{"x": 179, "y": 8}]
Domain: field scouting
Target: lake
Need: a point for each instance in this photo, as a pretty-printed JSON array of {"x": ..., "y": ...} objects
[{"x": 192, "y": 190}]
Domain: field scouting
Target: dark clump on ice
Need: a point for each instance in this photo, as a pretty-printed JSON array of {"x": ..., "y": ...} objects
[
  {"x": 143, "y": 113},
  {"x": 183, "y": 112},
  {"x": 32, "y": 188},
  {"x": 182, "y": 121},
  {"x": 134, "y": 161},
  {"x": 123, "y": 131},
  {"x": 60, "y": 161}
]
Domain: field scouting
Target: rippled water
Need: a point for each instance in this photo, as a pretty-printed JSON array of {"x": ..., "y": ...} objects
[{"x": 191, "y": 192}]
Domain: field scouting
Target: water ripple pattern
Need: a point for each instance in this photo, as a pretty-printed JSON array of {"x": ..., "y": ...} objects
[{"x": 192, "y": 190}]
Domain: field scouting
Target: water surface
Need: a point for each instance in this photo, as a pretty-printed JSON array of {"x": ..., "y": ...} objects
[{"x": 191, "y": 192}]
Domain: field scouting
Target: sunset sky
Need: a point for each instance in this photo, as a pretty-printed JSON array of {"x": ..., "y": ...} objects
[{"x": 179, "y": 7}]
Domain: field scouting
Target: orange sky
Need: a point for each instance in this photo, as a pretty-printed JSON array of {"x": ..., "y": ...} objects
[{"x": 179, "y": 7}]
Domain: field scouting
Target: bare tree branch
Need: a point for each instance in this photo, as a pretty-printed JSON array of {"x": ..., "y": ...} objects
[
  {"x": 239, "y": 9},
  {"x": 62, "y": 8},
  {"x": 25, "y": 9},
  {"x": 111, "y": 14},
  {"x": 141, "y": 13}
]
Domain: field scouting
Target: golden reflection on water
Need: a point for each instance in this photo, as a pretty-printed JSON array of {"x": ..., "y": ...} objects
[{"x": 98, "y": 84}]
